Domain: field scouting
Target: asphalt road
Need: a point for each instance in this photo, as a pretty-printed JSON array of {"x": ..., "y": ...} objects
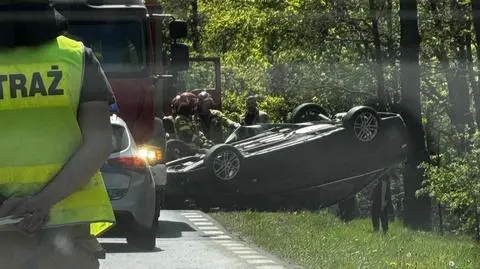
[{"x": 189, "y": 240}]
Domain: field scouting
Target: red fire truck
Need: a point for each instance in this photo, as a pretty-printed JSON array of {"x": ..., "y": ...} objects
[{"x": 137, "y": 44}]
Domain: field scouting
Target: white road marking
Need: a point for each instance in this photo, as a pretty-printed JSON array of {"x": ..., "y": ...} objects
[
  {"x": 203, "y": 223},
  {"x": 213, "y": 232},
  {"x": 208, "y": 228},
  {"x": 260, "y": 261},
  {"x": 232, "y": 244},
  {"x": 250, "y": 257},
  {"x": 221, "y": 237},
  {"x": 197, "y": 219},
  {"x": 245, "y": 252},
  {"x": 238, "y": 248},
  {"x": 190, "y": 214},
  {"x": 223, "y": 241}
]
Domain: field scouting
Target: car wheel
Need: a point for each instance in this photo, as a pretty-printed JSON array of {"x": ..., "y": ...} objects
[
  {"x": 224, "y": 161},
  {"x": 363, "y": 122},
  {"x": 159, "y": 202},
  {"x": 143, "y": 238},
  {"x": 307, "y": 112}
]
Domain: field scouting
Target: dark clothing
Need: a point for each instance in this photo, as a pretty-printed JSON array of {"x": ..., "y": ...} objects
[
  {"x": 29, "y": 24},
  {"x": 20, "y": 28},
  {"x": 381, "y": 201},
  {"x": 67, "y": 247},
  {"x": 215, "y": 124},
  {"x": 95, "y": 84},
  {"x": 258, "y": 117},
  {"x": 379, "y": 215},
  {"x": 188, "y": 131}
]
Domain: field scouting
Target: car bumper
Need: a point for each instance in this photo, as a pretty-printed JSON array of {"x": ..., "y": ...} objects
[
  {"x": 133, "y": 198},
  {"x": 159, "y": 173},
  {"x": 184, "y": 183}
]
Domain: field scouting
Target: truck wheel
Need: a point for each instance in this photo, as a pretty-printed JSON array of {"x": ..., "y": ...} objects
[
  {"x": 363, "y": 123},
  {"x": 224, "y": 161}
]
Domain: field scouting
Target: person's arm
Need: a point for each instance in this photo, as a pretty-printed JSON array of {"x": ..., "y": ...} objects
[
  {"x": 93, "y": 118},
  {"x": 94, "y": 122},
  {"x": 226, "y": 122}
]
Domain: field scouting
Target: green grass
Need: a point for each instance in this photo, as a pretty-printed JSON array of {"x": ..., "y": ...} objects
[{"x": 320, "y": 240}]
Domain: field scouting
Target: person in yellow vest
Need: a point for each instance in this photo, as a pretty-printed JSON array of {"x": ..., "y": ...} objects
[{"x": 56, "y": 134}]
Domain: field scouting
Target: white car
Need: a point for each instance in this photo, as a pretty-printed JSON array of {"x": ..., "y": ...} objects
[{"x": 132, "y": 188}]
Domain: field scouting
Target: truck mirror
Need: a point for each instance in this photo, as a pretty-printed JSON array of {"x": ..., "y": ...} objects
[
  {"x": 178, "y": 29},
  {"x": 180, "y": 57}
]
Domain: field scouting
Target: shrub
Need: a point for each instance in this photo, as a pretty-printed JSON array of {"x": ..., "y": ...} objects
[{"x": 454, "y": 182}]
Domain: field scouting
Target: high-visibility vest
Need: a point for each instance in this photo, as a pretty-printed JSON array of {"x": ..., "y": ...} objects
[{"x": 39, "y": 97}]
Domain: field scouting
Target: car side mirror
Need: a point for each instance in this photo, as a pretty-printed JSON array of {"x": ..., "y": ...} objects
[
  {"x": 180, "y": 57},
  {"x": 178, "y": 29}
]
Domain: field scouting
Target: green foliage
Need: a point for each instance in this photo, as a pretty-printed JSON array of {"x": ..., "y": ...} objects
[
  {"x": 454, "y": 180},
  {"x": 319, "y": 240},
  {"x": 295, "y": 51},
  {"x": 234, "y": 105}
]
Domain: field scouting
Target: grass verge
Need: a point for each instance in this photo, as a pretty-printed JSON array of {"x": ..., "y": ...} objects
[{"x": 320, "y": 240}]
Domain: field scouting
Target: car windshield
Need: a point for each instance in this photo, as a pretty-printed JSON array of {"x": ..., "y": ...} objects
[{"x": 119, "y": 46}]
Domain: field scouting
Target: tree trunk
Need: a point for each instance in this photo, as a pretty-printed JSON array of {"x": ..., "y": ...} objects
[
  {"x": 476, "y": 25},
  {"x": 457, "y": 83},
  {"x": 378, "y": 57},
  {"x": 473, "y": 82},
  {"x": 195, "y": 26},
  {"x": 462, "y": 90},
  {"x": 417, "y": 210},
  {"x": 392, "y": 56}
]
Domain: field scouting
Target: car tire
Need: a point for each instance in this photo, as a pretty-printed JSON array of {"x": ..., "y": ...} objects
[
  {"x": 143, "y": 238},
  {"x": 299, "y": 114},
  {"x": 228, "y": 151},
  {"x": 159, "y": 203},
  {"x": 363, "y": 123}
]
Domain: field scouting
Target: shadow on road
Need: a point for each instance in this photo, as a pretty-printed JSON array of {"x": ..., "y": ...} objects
[
  {"x": 124, "y": 248},
  {"x": 172, "y": 229},
  {"x": 166, "y": 229}
]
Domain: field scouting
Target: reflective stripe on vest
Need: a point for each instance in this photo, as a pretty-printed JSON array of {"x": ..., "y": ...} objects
[{"x": 37, "y": 84}]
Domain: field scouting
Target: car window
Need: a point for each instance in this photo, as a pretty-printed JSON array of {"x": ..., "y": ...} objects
[{"x": 119, "y": 138}]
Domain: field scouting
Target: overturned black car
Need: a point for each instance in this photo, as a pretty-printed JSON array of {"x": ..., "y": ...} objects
[{"x": 314, "y": 161}]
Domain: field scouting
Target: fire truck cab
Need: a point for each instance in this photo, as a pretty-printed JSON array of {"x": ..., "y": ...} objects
[{"x": 137, "y": 45}]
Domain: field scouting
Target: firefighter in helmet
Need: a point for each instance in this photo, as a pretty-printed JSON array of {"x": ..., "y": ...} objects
[
  {"x": 174, "y": 105},
  {"x": 185, "y": 127},
  {"x": 254, "y": 115},
  {"x": 212, "y": 122}
]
